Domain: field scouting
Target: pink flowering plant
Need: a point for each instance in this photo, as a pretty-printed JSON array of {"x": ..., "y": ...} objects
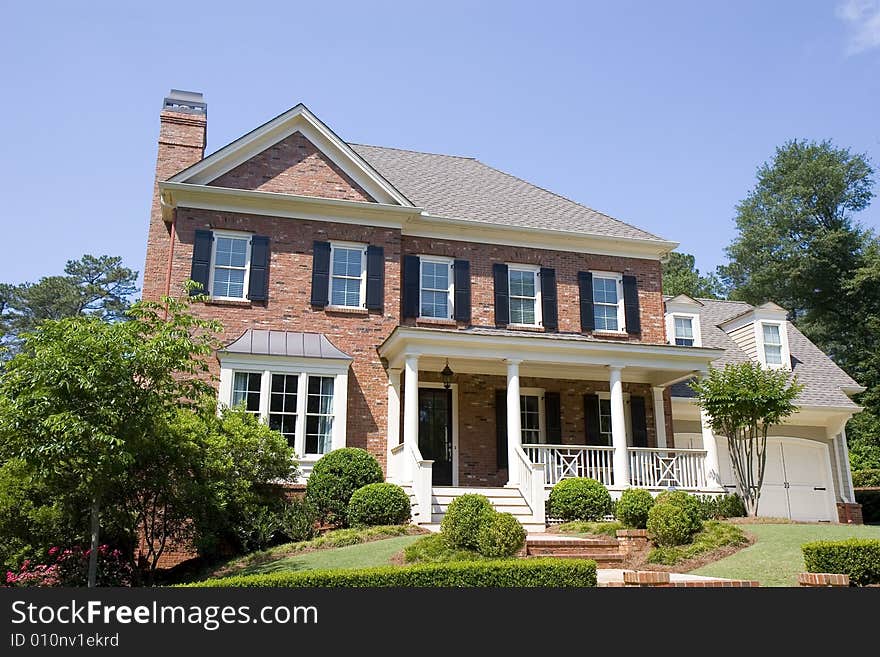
[{"x": 69, "y": 567}]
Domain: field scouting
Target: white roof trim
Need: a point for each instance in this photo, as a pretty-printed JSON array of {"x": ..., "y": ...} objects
[{"x": 297, "y": 119}]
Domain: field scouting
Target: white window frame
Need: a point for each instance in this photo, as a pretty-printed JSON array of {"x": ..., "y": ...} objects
[
  {"x": 621, "y": 309},
  {"x": 266, "y": 366},
  {"x": 627, "y": 415},
  {"x": 229, "y": 234},
  {"x": 441, "y": 260},
  {"x": 362, "y": 295},
  {"x": 695, "y": 327},
  {"x": 784, "y": 353},
  {"x": 535, "y": 270},
  {"x": 542, "y": 414}
]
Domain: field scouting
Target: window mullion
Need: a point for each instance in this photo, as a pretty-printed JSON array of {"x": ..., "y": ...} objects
[
  {"x": 301, "y": 398},
  {"x": 265, "y": 391}
]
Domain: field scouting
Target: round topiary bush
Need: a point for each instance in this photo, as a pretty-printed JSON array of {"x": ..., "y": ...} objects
[
  {"x": 378, "y": 504},
  {"x": 500, "y": 536},
  {"x": 688, "y": 503},
  {"x": 336, "y": 476},
  {"x": 633, "y": 506},
  {"x": 464, "y": 518},
  {"x": 669, "y": 525},
  {"x": 579, "y": 499}
]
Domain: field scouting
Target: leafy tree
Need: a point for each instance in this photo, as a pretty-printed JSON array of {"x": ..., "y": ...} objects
[
  {"x": 83, "y": 395},
  {"x": 743, "y": 401},
  {"x": 681, "y": 276}
]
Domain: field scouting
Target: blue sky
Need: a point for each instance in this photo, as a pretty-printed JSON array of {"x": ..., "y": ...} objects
[{"x": 657, "y": 113}]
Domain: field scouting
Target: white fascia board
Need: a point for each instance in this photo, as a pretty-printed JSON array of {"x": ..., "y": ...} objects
[
  {"x": 297, "y": 119},
  {"x": 686, "y": 408},
  {"x": 232, "y": 360}
]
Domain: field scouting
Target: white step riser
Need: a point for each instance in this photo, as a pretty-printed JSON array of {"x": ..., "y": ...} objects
[
  {"x": 531, "y": 528},
  {"x": 487, "y": 492},
  {"x": 518, "y": 510}
]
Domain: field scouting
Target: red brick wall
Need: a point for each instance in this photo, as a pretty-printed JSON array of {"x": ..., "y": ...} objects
[
  {"x": 293, "y": 166},
  {"x": 566, "y": 264}
]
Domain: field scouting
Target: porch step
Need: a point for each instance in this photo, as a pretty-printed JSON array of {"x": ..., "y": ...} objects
[
  {"x": 604, "y": 551},
  {"x": 530, "y": 527},
  {"x": 488, "y": 491},
  {"x": 502, "y": 499}
]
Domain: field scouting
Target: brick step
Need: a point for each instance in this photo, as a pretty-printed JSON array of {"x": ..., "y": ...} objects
[
  {"x": 602, "y": 560},
  {"x": 575, "y": 552},
  {"x": 542, "y": 541}
]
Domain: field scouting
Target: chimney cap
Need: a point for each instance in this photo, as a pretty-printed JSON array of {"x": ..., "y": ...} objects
[{"x": 187, "y": 102}]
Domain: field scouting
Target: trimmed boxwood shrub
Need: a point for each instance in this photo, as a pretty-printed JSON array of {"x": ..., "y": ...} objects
[
  {"x": 866, "y": 478},
  {"x": 500, "y": 536},
  {"x": 463, "y": 519},
  {"x": 504, "y": 573},
  {"x": 669, "y": 525},
  {"x": 336, "y": 476},
  {"x": 633, "y": 506},
  {"x": 378, "y": 504},
  {"x": 857, "y": 557},
  {"x": 690, "y": 504},
  {"x": 579, "y": 498}
]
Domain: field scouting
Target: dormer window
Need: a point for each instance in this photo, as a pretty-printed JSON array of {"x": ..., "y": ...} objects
[
  {"x": 684, "y": 331},
  {"x": 772, "y": 344},
  {"x": 683, "y": 321}
]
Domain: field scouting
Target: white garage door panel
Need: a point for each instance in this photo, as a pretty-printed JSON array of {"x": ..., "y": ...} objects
[
  {"x": 806, "y": 503},
  {"x": 773, "y": 502}
]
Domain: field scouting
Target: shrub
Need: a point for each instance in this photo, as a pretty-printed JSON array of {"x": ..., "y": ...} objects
[
  {"x": 378, "y": 504},
  {"x": 720, "y": 506},
  {"x": 579, "y": 499},
  {"x": 501, "y": 536},
  {"x": 297, "y": 520},
  {"x": 257, "y": 529},
  {"x": 594, "y": 528},
  {"x": 69, "y": 567},
  {"x": 633, "y": 506},
  {"x": 866, "y": 478},
  {"x": 499, "y": 573},
  {"x": 715, "y": 535},
  {"x": 669, "y": 524},
  {"x": 463, "y": 519},
  {"x": 870, "y": 501},
  {"x": 336, "y": 476},
  {"x": 435, "y": 549},
  {"x": 857, "y": 557},
  {"x": 690, "y": 504}
]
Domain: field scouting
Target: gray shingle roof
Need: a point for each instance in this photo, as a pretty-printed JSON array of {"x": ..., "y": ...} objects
[
  {"x": 262, "y": 342},
  {"x": 821, "y": 377},
  {"x": 465, "y": 188}
]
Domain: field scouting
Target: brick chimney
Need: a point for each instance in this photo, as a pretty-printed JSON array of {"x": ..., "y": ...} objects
[{"x": 183, "y": 126}]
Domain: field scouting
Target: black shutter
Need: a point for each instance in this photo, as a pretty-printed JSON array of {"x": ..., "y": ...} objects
[
  {"x": 638, "y": 422},
  {"x": 321, "y": 274},
  {"x": 201, "y": 261},
  {"x": 411, "y": 274},
  {"x": 501, "y": 427},
  {"x": 631, "y": 305},
  {"x": 553, "y": 412},
  {"x": 258, "y": 281},
  {"x": 549, "y": 306},
  {"x": 461, "y": 271},
  {"x": 375, "y": 277},
  {"x": 502, "y": 294},
  {"x": 591, "y": 419},
  {"x": 585, "y": 285}
]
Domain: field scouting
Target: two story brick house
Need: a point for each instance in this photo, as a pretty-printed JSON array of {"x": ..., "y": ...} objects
[{"x": 469, "y": 329}]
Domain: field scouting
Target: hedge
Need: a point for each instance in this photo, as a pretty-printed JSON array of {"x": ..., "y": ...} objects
[
  {"x": 857, "y": 557},
  {"x": 866, "y": 478},
  {"x": 539, "y": 572}
]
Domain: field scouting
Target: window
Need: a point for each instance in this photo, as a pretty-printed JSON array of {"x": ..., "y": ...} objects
[
  {"x": 283, "y": 405},
  {"x": 608, "y": 303},
  {"x": 231, "y": 263},
  {"x": 525, "y": 302},
  {"x": 605, "y": 421},
  {"x": 347, "y": 275},
  {"x": 530, "y": 419},
  {"x": 772, "y": 344},
  {"x": 436, "y": 288},
  {"x": 684, "y": 331},
  {"x": 246, "y": 391},
  {"x": 319, "y": 415}
]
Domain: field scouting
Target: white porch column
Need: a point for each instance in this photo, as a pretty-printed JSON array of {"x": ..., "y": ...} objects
[
  {"x": 713, "y": 470},
  {"x": 411, "y": 405},
  {"x": 514, "y": 421},
  {"x": 618, "y": 428},
  {"x": 659, "y": 416},
  {"x": 393, "y": 416}
]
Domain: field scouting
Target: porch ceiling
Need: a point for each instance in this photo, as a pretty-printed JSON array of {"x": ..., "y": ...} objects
[{"x": 559, "y": 356}]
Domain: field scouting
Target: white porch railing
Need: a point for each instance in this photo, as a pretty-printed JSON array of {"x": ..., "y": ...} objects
[
  {"x": 397, "y": 464},
  {"x": 530, "y": 476},
  {"x": 667, "y": 468},
  {"x": 564, "y": 461}
]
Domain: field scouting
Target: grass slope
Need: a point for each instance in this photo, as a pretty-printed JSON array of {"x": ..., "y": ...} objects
[{"x": 776, "y": 559}]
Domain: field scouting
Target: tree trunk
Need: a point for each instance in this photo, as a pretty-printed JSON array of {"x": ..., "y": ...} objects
[{"x": 96, "y": 531}]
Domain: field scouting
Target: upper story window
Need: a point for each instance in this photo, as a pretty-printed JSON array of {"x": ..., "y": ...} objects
[
  {"x": 525, "y": 295},
  {"x": 772, "y": 344},
  {"x": 230, "y": 265},
  {"x": 436, "y": 287},
  {"x": 684, "y": 331},
  {"x": 348, "y": 275},
  {"x": 608, "y": 310}
]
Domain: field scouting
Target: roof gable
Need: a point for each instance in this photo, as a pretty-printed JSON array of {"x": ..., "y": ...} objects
[{"x": 296, "y": 120}]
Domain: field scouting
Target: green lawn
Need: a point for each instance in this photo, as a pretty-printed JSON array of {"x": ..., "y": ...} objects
[
  {"x": 775, "y": 559},
  {"x": 374, "y": 553}
]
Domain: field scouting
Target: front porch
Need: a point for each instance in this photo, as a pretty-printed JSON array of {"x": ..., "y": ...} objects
[{"x": 521, "y": 412}]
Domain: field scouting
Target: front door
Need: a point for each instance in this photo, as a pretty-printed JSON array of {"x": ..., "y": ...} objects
[{"x": 435, "y": 432}]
